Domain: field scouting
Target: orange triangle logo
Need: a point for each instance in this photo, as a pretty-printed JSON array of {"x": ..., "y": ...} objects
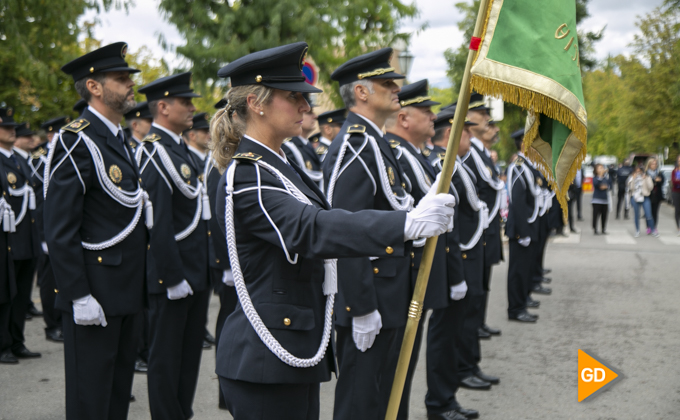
[{"x": 593, "y": 375}]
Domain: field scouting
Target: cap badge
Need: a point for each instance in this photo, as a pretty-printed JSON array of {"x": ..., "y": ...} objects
[
  {"x": 10, "y": 111},
  {"x": 186, "y": 171},
  {"x": 138, "y": 114},
  {"x": 302, "y": 57},
  {"x": 123, "y": 51},
  {"x": 115, "y": 174}
]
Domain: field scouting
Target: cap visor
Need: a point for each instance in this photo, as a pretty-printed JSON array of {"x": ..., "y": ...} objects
[
  {"x": 9, "y": 124},
  {"x": 303, "y": 87},
  {"x": 186, "y": 95},
  {"x": 390, "y": 75},
  {"x": 130, "y": 69},
  {"x": 426, "y": 103},
  {"x": 470, "y": 123}
]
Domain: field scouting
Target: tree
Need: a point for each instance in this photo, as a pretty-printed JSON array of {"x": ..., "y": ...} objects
[{"x": 218, "y": 32}]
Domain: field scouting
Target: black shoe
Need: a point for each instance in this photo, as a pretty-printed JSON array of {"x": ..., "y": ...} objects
[
  {"x": 24, "y": 353},
  {"x": 541, "y": 290},
  {"x": 468, "y": 413},
  {"x": 33, "y": 310},
  {"x": 492, "y": 331},
  {"x": 596, "y": 233},
  {"x": 449, "y": 415},
  {"x": 206, "y": 345},
  {"x": 573, "y": 230},
  {"x": 482, "y": 334},
  {"x": 141, "y": 366},
  {"x": 473, "y": 382},
  {"x": 209, "y": 338},
  {"x": 546, "y": 280},
  {"x": 54, "y": 334},
  {"x": 626, "y": 218},
  {"x": 493, "y": 380},
  {"x": 8, "y": 358},
  {"x": 132, "y": 398},
  {"x": 523, "y": 317},
  {"x": 533, "y": 303},
  {"x": 604, "y": 232},
  {"x": 546, "y": 271},
  {"x": 580, "y": 219},
  {"x": 28, "y": 316}
]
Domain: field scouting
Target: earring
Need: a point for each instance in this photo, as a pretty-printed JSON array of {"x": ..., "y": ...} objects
[{"x": 261, "y": 112}]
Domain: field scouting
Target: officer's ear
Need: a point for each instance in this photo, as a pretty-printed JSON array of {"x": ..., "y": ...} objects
[
  {"x": 95, "y": 88},
  {"x": 361, "y": 92},
  {"x": 164, "y": 106}
]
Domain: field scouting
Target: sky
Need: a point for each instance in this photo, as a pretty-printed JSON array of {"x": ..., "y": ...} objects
[{"x": 144, "y": 24}]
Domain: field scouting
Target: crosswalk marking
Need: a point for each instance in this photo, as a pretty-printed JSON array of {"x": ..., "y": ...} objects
[
  {"x": 619, "y": 238},
  {"x": 669, "y": 240},
  {"x": 571, "y": 238}
]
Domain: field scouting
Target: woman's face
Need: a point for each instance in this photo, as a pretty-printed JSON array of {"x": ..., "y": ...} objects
[
  {"x": 599, "y": 169},
  {"x": 653, "y": 164},
  {"x": 285, "y": 113}
]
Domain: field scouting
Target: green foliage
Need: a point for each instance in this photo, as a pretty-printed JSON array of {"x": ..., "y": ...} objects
[{"x": 218, "y": 32}]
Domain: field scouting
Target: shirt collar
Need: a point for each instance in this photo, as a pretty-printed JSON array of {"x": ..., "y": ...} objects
[
  {"x": 324, "y": 140},
  {"x": 138, "y": 141},
  {"x": 5, "y": 152},
  {"x": 174, "y": 136},
  {"x": 22, "y": 153},
  {"x": 375, "y": 127},
  {"x": 106, "y": 121},
  {"x": 198, "y": 152},
  {"x": 415, "y": 149},
  {"x": 280, "y": 155},
  {"x": 304, "y": 140},
  {"x": 477, "y": 142}
]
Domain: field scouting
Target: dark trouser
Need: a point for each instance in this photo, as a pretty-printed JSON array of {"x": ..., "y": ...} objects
[
  {"x": 143, "y": 339},
  {"x": 177, "y": 331},
  {"x": 444, "y": 332},
  {"x": 537, "y": 269},
  {"x": 51, "y": 315},
  {"x": 228, "y": 301},
  {"x": 600, "y": 211},
  {"x": 5, "y": 339},
  {"x": 23, "y": 270},
  {"x": 579, "y": 195},
  {"x": 250, "y": 401},
  {"x": 621, "y": 201},
  {"x": 676, "y": 204},
  {"x": 486, "y": 285},
  {"x": 519, "y": 276},
  {"x": 469, "y": 351},
  {"x": 655, "y": 212},
  {"x": 99, "y": 364},
  {"x": 359, "y": 392}
]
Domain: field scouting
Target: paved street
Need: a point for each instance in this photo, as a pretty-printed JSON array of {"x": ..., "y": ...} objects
[{"x": 616, "y": 296}]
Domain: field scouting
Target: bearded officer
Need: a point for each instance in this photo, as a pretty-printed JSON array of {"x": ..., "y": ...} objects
[
  {"x": 178, "y": 283},
  {"x": 96, "y": 239}
]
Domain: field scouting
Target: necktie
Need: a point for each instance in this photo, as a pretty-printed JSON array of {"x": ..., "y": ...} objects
[
  {"x": 14, "y": 159},
  {"x": 121, "y": 137}
]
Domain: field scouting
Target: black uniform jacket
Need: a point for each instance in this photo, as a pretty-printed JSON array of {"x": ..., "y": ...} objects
[
  {"x": 115, "y": 275},
  {"x": 521, "y": 206},
  {"x": 37, "y": 167},
  {"x": 493, "y": 246},
  {"x": 218, "y": 252},
  {"x": 364, "y": 285},
  {"x": 437, "y": 294},
  {"x": 8, "y": 286},
  {"x": 174, "y": 261},
  {"x": 280, "y": 290},
  {"x": 312, "y": 162},
  {"x": 24, "y": 242}
]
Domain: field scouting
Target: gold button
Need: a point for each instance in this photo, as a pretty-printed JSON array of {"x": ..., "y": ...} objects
[
  {"x": 91, "y": 69},
  {"x": 217, "y": 260},
  {"x": 465, "y": 256},
  {"x": 160, "y": 281},
  {"x": 258, "y": 79},
  {"x": 32, "y": 220},
  {"x": 413, "y": 254},
  {"x": 286, "y": 321},
  {"x": 140, "y": 180},
  {"x": 375, "y": 270},
  {"x": 9, "y": 248},
  {"x": 447, "y": 249},
  {"x": 484, "y": 243},
  {"x": 119, "y": 188},
  {"x": 413, "y": 264},
  {"x": 167, "y": 93},
  {"x": 56, "y": 290},
  {"x": 148, "y": 246},
  {"x": 517, "y": 236},
  {"x": 348, "y": 308},
  {"x": 389, "y": 250},
  {"x": 403, "y": 185},
  {"x": 208, "y": 233},
  {"x": 99, "y": 259},
  {"x": 189, "y": 182}
]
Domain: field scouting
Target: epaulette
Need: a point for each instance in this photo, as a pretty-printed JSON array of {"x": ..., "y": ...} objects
[
  {"x": 519, "y": 161},
  {"x": 38, "y": 152},
  {"x": 394, "y": 144},
  {"x": 441, "y": 155},
  {"x": 287, "y": 139},
  {"x": 248, "y": 156},
  {"x": 426, "y": 152},
  {"x": 321, "y": 149},
  {"x": 76, "y": 125},
  {"x": 356, "y": 129},
  {"x": 151, "y": 138}
]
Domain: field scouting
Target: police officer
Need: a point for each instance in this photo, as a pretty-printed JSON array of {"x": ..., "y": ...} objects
[
  {"x": 274, "y": 350},
  {"x": 80, "y": 106},
  {"x": 329, "y": 126},
  {"x": 300, "y": 151},
  {"x": 442, "y": 132},
  {"x": 408, "y": 131},
  {"x": 178, "y": 281},
  {"x": 138, "y": 120},
  {"x": 95, "y": 239}
]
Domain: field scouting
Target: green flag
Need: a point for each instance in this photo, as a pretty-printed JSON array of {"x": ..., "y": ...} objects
[{"x": 529, "y": 56}]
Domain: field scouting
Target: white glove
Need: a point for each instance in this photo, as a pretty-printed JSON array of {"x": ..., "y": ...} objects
[
  {"x": 458, "y": 291},
  {"x": 180, "y": 291},
  {"x": 484, "y": 214},
  {"x": 87, "y": 311},
  {"x": 228, "y": 278},
  {"x": 44, "y": 248},
  {"x": 524, "y": 241},
  {"x": 365, "y": 328},
  {"x": 431, "y": 217}
]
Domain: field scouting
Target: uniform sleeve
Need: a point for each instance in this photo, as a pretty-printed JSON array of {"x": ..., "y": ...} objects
[
  {"x": 520, "y": 206},
  {"x": 217, "y": 240},
  {"x": 162, "y": 236},
  {"x": 65, "y": 200}
]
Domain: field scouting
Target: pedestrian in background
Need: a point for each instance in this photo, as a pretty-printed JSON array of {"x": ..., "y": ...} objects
[
  {"x": 656, "y": 196},
  {"x": 621, "y": 178},
  {"x": 640, "y": 186},
  {"x": 675, "y": 190},
  {"x": 600, "y": 201}
]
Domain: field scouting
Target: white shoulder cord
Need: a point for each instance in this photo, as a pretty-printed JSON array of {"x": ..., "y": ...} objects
[
  {"x": 8, "y": 220},
  {"x": 477, "y": 205},
  {"x": 35, "y": 170},
  {"x": 316, "y": 176},
  {"x": 330, "y": 266},
  {"x": 535, "y": 191},
  {"x": 424, "y": 181},
  {"x": 198, "y": 192},
  {"x": 130, "y": 199},
  {"x": 28, "y": 200},
  {"x": 486, "y": 177},
  {"x": 404, "y": 203}
]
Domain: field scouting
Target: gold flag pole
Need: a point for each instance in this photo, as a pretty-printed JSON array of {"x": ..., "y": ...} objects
[{"x": 416, "y": 307}]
